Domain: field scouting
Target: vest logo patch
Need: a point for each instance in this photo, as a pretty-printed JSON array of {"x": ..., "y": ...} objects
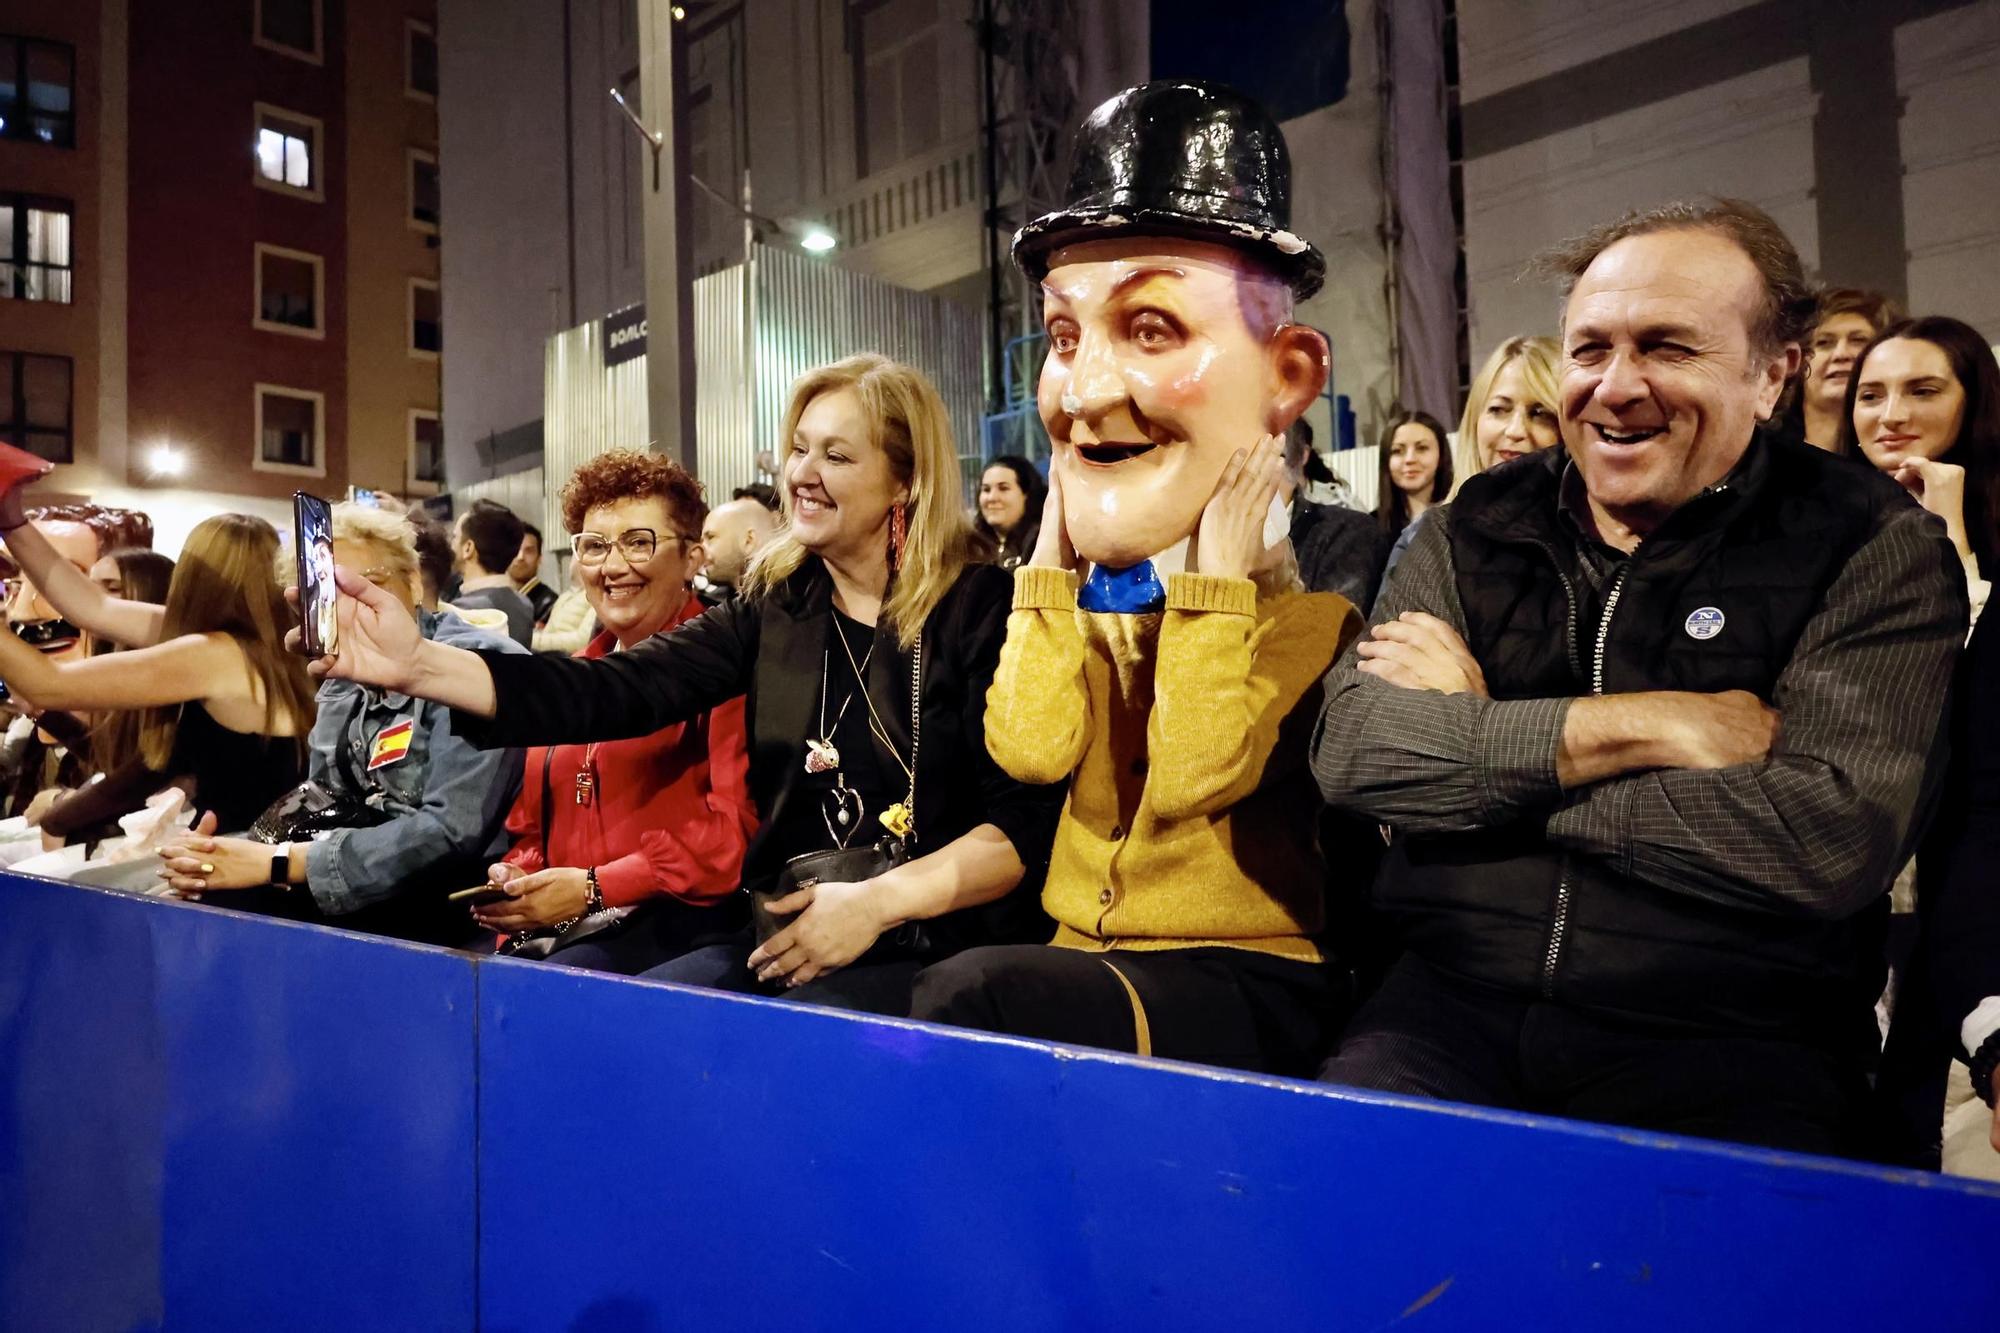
[{"x": 1705, "y": 623}]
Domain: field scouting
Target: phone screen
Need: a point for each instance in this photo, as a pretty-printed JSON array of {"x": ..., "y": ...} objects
[{"x": 312, "y": 538}]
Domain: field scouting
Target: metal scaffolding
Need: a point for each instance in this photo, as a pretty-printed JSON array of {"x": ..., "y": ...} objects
[{"x": 1029, "y": 54}]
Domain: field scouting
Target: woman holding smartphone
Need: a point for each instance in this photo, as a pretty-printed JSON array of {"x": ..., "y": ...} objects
[
  {"x": 868, "y": 609},
  {"x": 221, "y": 702}
]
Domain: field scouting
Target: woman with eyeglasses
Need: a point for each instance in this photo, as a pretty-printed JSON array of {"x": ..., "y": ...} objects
[
  {"x": 863, "y": 643},
  {"x": 653, "y": 828}
]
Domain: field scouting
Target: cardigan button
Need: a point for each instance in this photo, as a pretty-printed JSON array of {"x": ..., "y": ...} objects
[{"x": 1104, "y": 897}]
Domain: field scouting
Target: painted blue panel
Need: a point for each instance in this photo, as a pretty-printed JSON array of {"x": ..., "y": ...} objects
[
  {"x": 217, "y": 1122},
  {"x": 653, "y": 1159}
]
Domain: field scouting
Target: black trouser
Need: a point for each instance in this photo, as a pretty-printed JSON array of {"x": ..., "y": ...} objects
[
  {"x": 655, "y": 931},
  {"x": 1218, "y": 1006},
  {"x": 875, "y": 983},
  {"x": 1431, "y": 1035}
]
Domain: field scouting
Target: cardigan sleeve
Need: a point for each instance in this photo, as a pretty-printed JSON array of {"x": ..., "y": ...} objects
[
  {"x": 547, "y": 700},
  {"x": 1225, "y": 682},
  {"x": 1037, "y": 714}
]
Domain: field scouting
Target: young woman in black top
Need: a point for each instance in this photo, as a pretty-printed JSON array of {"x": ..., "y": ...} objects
[{"x": 871, "y": 592}]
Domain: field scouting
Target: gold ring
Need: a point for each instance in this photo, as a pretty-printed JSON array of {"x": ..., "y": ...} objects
[{"x": 207, "y": 869}]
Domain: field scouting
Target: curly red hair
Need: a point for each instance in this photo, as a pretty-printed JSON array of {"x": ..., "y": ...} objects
[{"x": 629, "y": 474}]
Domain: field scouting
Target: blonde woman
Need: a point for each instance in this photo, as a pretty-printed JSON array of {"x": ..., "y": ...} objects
[
  {"x": 1511, "y": 411},
  {"x": 869, "y": 594}
]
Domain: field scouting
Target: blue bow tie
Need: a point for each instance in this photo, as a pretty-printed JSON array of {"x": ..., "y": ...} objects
[{"x": 1135, "y": 590}]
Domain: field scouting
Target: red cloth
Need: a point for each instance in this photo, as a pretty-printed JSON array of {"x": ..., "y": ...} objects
[{"x": 670, "y": 813}]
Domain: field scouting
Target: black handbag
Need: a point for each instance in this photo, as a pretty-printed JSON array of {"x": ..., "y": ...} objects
[{"x": 309, "y": 811}]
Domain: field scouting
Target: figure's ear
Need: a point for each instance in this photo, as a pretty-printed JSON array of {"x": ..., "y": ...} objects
[{"x": 1298, "y": 361}]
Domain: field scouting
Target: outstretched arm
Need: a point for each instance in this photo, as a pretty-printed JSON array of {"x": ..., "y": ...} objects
[{"x": 69, "y": 591}]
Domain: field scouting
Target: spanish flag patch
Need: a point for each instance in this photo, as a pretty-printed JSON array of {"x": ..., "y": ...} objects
[{"x": 392, "y": 745}]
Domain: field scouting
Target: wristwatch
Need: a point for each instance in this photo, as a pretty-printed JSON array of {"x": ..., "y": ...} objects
[{"x": 281, "y": 865}]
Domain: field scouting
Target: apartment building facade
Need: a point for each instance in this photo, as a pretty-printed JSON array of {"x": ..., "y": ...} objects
[{"x": 219, "y": 268}]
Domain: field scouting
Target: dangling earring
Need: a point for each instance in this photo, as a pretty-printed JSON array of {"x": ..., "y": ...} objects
[{"x": 899, "y": 524}]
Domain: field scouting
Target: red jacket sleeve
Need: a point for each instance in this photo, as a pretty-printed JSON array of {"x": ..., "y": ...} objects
[{"x": 524, "y": 821}]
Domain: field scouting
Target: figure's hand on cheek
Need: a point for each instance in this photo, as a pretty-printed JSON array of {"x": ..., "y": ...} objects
[
  {"x": 1052, "y": 544},
  {"x": 1230, "y": 541}
]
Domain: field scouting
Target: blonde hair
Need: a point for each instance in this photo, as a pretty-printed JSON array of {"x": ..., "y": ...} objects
[
  {"x": 913, "y": 429},
  {"x": 390, "y": 534},
  {"x": 1539, "y": 358},
  {"x": 226, "y": 582}
]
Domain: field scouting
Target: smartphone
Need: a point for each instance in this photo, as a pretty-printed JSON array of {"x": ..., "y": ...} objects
[
  {"x": 478, "y": 896},
  {"x": 312, "y": 540}
]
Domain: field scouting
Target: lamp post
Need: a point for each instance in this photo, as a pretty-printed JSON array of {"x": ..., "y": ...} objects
[{"x": 669, "y": 233}]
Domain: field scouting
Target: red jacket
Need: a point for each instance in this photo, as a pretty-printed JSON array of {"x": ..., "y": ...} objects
[{"x": 668, "y": 813}]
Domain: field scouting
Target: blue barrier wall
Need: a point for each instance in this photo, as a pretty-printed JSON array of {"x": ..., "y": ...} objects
[{"x": 215, "y": 1122}]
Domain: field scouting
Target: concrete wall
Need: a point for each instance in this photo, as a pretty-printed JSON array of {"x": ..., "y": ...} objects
[{"x": 1865, "y": 129}]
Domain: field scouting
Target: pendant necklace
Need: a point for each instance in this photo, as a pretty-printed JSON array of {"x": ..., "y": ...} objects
[{"x": 822, "y": 755}]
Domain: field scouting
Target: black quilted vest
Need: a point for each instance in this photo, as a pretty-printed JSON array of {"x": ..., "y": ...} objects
[{"x": 1714, "y": 600}]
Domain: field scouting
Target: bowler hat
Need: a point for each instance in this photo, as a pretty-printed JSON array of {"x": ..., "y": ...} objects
[{"x": 1179, "y": 157}]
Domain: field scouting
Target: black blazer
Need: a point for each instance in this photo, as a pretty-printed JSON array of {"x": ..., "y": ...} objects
[{"x": 769, "y": 649}]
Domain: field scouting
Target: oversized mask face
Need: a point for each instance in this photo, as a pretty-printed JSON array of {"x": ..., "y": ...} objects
[{"x": 1166, "y": 356}]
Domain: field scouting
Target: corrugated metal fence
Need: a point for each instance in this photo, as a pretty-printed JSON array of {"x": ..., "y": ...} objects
[{"x": 805, "y": 313}]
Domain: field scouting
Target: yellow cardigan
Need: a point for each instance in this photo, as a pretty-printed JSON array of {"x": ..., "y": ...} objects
[{"x": 1192, "y": 818}]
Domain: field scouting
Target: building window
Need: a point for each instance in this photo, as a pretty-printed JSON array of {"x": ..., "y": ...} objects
[
  {"x": 35, "y": 404},
  {"x": 420, "y": 61},
  {"x": 291, "y": 427},
  {"x": 38, "y": 91},
  {"x": 290, "y": 26},
  {"x": 287, "y": 152},
  {"x": 426, "y": 448},
  {"x": 426, "y": 319},
  {"x": 37, "y": 262},
  {"x": 897, "y": 107},
  {"x": 291, "y": 292},
  {"x": 425, "y": 200}
]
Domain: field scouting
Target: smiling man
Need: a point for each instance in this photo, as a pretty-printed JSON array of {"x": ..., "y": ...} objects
[{"x": 1654, "y": 722}]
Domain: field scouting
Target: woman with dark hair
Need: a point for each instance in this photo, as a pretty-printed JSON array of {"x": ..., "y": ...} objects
[
  {"x": 1416, "y": 472},
  {"x": 1924, "y": 407},
  {"x": 1011, "y": 492},
  {"x": 863, "y": 644}
]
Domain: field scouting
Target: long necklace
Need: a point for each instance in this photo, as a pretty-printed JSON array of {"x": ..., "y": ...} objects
[
  {"x": 822, "y": 755},
  {"x": 842, "y": 808}
]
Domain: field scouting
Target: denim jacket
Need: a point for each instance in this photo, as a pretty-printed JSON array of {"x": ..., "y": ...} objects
[{"x": 449, "y": 801}]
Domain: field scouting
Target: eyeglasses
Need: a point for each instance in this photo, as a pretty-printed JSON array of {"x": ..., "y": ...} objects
[{"x": 635, "y": 544}]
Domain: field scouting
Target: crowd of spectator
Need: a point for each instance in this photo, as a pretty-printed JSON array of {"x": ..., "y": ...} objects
[{"x": 1671, "y": 688}]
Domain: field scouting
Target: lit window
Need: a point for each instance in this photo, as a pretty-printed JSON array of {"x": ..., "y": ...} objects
[
  {"x": 287, "y": 152},
  {"x": 291, "y": 26},
  {"x": 426, "y": 318},
  {"x": 290, "y": 426},
  {"x": 38, "y": 91},
  {"x": 35, "y": 404},
  {"x": 426, "y": 200},
  {"x": 421, "y": 62},
  {"x": 37, "y": 262},
  {"x": 290, "y": 291}
]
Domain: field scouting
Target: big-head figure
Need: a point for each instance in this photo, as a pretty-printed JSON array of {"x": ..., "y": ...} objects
[
  {"x": 1168, "y": 284},
  {"x": 1170, "y": 687}
]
